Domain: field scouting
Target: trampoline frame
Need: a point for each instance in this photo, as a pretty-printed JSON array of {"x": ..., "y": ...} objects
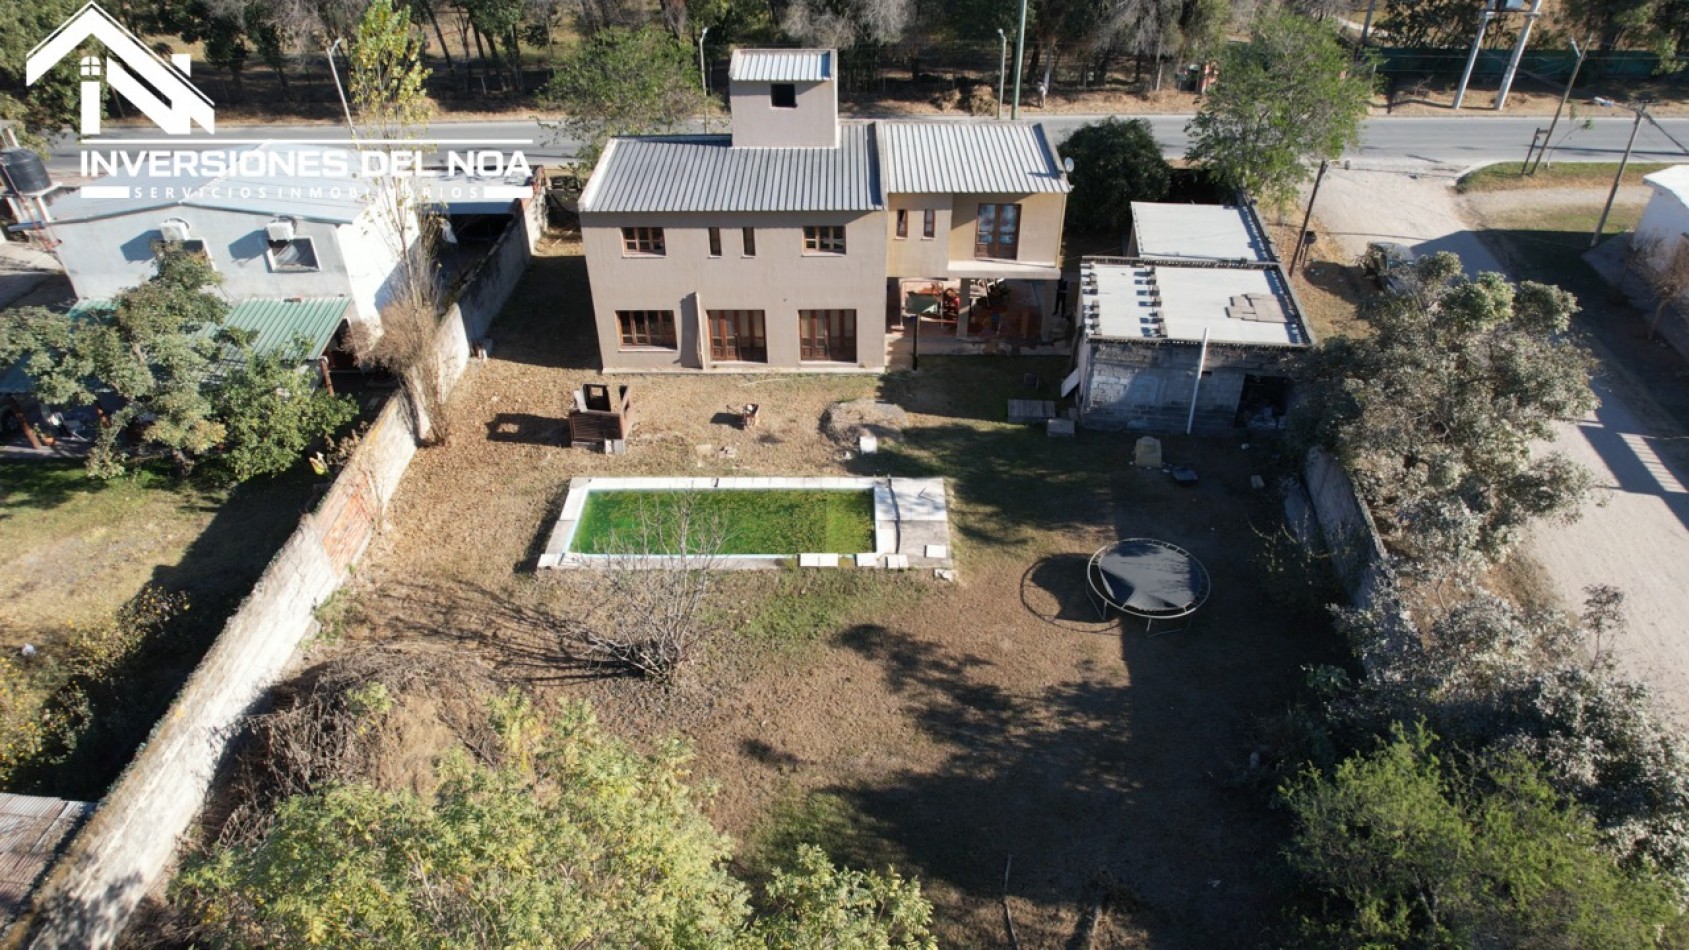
[{"x": 1095, "y": 586}]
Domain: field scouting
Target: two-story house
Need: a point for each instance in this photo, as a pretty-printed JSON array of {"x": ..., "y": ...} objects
[{"x": 785, "y": 244}]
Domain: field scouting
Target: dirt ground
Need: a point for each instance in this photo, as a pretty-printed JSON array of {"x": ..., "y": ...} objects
[
  {"x": 944, "y": 727},
  {"x": 1633, "y": 532}
]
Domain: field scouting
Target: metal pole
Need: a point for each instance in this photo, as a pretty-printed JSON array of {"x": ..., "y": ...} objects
[
  {"x": 1601, "y": 225},
  {"x": 1518, "y": 54},
  {"x": 1201, "y": 361},
  {"x": 337, "y": 88},
  {"x": 1366, "y": 28},
  {"x": 1002, "y": 71},
  {"x": 1548, "y": 140},
  {"x": 1472, "y": 58},
  {"x": 704, "y": 76},
  {"x": 1020, "y": 60},
  {"x": 1302, "y": 235},
  {"x": 1525, "y": 168}
]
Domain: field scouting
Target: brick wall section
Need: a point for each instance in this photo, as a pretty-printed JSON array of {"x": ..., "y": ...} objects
[
  {"x": 125, "y": 848},
  {"x": 1147, "y": 386}
]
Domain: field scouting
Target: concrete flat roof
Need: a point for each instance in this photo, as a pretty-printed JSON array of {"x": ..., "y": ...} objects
[
  {"x": 1198, "y": 232},
  {"x": 1137, "y": 300}
]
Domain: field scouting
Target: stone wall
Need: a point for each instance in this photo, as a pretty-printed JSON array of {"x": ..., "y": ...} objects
[
  {"x": 1147, "y": 386},
  {"x": 125, "y": 849}
]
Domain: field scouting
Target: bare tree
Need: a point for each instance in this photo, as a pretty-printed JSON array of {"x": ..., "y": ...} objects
[
  {"x": 649, "y": 603},
  {"x": 1664, "y": 270}
]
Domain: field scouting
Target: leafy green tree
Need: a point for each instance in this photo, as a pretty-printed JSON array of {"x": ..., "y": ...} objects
[
  {"x": 53, "y": 103},
  {"x": 1436, "y": 412},
  {"x": 1114, "y": 164},
  {"x": 623, "y": 82},
  {"x": 571, "y": 839},
  {"x": 1289, "y": 95},
  {"x": 387, "y": 77},
  {"x": 157, "y": 348},
  {"x": 816, "y": 905},
  {"x": 1403, "y": 848},
  {"x": 272, "y": 413}
]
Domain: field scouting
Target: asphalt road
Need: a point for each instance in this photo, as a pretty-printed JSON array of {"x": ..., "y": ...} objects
[{"x": 1438, "y": 140}]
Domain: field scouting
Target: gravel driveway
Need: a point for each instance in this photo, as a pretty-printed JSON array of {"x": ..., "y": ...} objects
[{"x": 1633, "y": 532}]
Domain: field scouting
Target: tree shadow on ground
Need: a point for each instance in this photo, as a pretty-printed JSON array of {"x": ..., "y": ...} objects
[
  {"x": 521, "y": 639},
  {"x": 215, "y": 574},
  {"x": 1083, "y": 781}
]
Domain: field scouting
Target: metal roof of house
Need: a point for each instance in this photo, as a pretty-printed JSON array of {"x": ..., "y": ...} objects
[
  {"x": 968, "y": 158},
  {"x": 1201, "y": 232},
  {"x": 1674, "y": 180},
  {"x": 277, "y": 323},
  {"x": 1137, "y": 300},
  {"x": 781, "y": 65},
  {"x": 31, "y": 830},
  {"x": 677, "y": 173},
  {"x": 268, "y": 183}
]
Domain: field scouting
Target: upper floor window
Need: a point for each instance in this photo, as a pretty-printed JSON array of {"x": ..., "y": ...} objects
[
  {"x": 783, "y": 95},
  {"x": 750, "y": 236},
  {"x": 643, "y": 242},
  {"x": 715, "y": 242},
  {"x": 824, "y": 239},
  {"x": 929, "y": 223},
  {"x": 998, "y": 232},
  {"x": 902, "y": 223},
  {"x": 646, "y": 328}
]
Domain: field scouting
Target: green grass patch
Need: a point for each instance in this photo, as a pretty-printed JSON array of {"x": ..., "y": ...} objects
[
  {"x": 799, "y": 607},
  {"x": 1504, "y": 176},
  {"x": 751, "y": 521}
]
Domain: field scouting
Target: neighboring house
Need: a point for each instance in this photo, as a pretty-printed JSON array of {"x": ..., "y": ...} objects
[
  {"x": 1195, "y": 332},
  {"x": 1665, "y": 221},
  {"x": 269, "y": 233},
  {"x": 785, "y": 244}
]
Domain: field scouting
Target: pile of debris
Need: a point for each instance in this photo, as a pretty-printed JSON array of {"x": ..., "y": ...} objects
[{"x": 847, "y": 422}]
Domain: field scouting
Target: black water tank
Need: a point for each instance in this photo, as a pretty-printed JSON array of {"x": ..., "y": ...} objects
[{"x": 24, "y": 172}]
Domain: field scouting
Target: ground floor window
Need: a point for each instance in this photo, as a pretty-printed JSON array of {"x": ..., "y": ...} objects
[
  {"x": 738, "y": 335},
  {"x": 828, "y": 335},
  {"x": 642, "y": 328}
]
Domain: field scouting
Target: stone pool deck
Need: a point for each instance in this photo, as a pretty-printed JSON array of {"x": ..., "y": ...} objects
[{"x": 911, "y": 522}]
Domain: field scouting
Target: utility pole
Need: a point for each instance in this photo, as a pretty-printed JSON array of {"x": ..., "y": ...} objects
[
  {"x": 1366, "y": 28},
  {"x": 1548, "y": 140},
  {"x": 1641, "y": 110},
  {"x": 704, "y": 77},
  {"x": 1002, "y": 70},
  {"x": 1472, "y": 58},
  {"x": 1518, "y": 54},
  {"x": 1020, "y": 60},
  {"x": 1302, "y": 235},
  {"x": 1525, "y": 169}
]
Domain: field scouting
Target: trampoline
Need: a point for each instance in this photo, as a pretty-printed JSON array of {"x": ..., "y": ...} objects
[{"x": 1146, "y": 578}]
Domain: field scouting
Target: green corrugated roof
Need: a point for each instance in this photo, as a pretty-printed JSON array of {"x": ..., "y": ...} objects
[{"x": 277, "y": 322}]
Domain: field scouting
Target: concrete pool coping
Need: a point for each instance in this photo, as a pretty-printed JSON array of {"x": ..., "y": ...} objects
[{"x": 911, "y": 522}]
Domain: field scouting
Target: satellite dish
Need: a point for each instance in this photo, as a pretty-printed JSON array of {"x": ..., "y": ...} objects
[{"x": 1067, "y": 163}]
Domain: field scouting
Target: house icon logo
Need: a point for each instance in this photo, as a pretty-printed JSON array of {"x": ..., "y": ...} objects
[{"x": 158, "y": 87}]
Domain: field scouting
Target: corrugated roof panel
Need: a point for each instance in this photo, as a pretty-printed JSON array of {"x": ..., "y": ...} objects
[
  {"x": 968, "y": 158},
  {"x": 31, "y": 830},
  {"x": 781, "y": 65},
  {"x": 277, "y": 322},
  {"x": 683, "y": 173}
]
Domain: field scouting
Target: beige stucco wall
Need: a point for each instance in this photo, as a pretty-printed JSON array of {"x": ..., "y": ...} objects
[
  {"x": 780, "y": 280},
  {"x": 1040, "y": 225},
  {"x": 757, "y": 124},
  {"x": 915, "y": 256}
]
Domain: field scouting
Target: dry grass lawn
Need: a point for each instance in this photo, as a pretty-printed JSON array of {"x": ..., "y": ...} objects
[{"x": 943, "y": 727}]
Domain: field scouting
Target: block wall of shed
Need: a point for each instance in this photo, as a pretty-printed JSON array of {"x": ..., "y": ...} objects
[{"x": 1147, "y": 386}]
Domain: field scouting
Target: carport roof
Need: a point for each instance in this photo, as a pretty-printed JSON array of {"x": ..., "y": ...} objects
[{"x": 276, "y": 322}]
